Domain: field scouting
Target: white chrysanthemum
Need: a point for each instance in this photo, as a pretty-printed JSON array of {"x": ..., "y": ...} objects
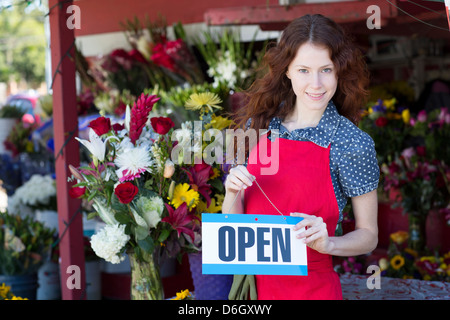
[
  {"x": 36, "y": 192},
  {"x": 109, "y": 241},
  {"x": 132, "y": 162}
]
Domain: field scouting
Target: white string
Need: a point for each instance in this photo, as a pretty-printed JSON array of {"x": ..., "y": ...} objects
[{"x": 235, "y": 198}]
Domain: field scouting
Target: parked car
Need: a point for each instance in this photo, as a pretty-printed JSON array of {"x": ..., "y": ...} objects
[{"x": 29, "y": 103}]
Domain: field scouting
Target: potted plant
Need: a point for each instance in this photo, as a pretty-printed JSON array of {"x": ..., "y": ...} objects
[{"x": 24, "y": 245}]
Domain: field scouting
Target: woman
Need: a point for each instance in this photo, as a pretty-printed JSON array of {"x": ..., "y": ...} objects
[{"x": 312, "y": 95}]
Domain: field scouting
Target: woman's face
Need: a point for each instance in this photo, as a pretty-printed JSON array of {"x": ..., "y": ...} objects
[{"x": 313, "y": 77}]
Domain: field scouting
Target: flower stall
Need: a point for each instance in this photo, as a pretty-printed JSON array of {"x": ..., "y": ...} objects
[{"x": 137, "y": 158}]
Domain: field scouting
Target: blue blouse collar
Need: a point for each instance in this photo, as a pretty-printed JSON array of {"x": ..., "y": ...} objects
[{"x": 321, "y": 135}]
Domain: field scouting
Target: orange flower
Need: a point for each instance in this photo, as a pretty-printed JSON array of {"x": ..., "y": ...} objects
[{"x": 399, "y": 237}]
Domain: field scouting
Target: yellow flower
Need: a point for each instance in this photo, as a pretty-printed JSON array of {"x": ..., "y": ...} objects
[
  {"x": 432, "y": 259},
  {"x": 203, "y": 101},
  {"x": 389, "y": 104},
  {"x": 214, "y": 207},
  {"x": 4, "y": 290},
  {"x": 406, "y": 116},
  {"x": 411, "y": 252},
  {"x": 216, "y": 173},
  {"x": 397, "y": 262},
  {"x": 219, "y": 123},
  {"x": 17, "y": 298},
  {"x": 181, "y": 194},
  {"x": 399, "y": 237},
  {"x": 183, "y": 295}
]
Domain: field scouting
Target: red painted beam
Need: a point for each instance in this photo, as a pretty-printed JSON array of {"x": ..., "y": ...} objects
[
  {"x": 102, "y": 16},
  {"x": 65, "y": 126},
  {"x": 341, "y": 12}
]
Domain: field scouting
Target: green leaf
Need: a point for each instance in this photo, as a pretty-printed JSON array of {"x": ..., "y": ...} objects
[
  {"x": 147, "y": 244},
  {"x": 123, "y": 218},
  {"x": 92, "y": 195},
  {"x": 92, "y": 215},
  {"x": 217, "y": 184},
  {"x": 164, "y": 235}
]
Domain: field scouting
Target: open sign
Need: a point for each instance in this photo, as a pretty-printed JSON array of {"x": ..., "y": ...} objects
[{"x": 252, "y": 244}]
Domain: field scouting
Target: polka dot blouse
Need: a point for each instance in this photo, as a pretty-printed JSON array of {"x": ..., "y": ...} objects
[{"x": 353, "y": 163}]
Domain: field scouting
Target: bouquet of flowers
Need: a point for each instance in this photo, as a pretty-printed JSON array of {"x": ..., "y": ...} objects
[
  {"x": 19, "y": 138},
  {"x": 401, "y": 258},
  {"x": 146, "y": 184},
  {"x": 128, "y": 181},
  {"x": 383, "y": 121},
  {"x": 231, "y": 63},
  {"x": 148, "y": 180},
  {"x": 406, "y": 263},
  {"x": 421, "y": 173}
]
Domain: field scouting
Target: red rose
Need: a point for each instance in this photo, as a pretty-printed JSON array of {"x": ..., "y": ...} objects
[
  {"x": 162, "y": 125},
  {"x": 118, "y": 127},
  {"x": 381, "y": 122},
  {"x": 101, "y": 125},
  {"x": 126, "y": 192},
  {"x": 77, "y": 192}
]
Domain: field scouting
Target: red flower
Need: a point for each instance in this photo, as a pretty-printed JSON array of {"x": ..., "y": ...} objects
[
  {"x": 101, "y": 125},
  {"x": 161, "y": 58},
  {"x": 179, "y": 219},
  {"x": 162, "y": 125},
  {"x": 137, "y": 56},
  {"x": 77, "y": 192},
  {"x": 139, "y": 115},
  {"x": 118, "y": 127},
  {"x": 381, "y": 122},
  {"x": 126, "y": 192},
  {"x": 421, "y": 151}
]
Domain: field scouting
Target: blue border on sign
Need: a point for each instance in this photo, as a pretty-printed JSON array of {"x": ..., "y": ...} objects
[
  {"x": 249, "y": 218},
  {"x": 287, "y": 270}
]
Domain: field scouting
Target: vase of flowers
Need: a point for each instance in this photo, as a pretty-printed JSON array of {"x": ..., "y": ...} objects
[
  {"x": 139, "y": 193},
  {"x": 146, "y": 281},
  {"x": 147, "y": 186},
  {"x": 420, "y": 173}
]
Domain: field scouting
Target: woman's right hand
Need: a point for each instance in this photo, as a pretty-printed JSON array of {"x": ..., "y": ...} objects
[{"x": 239, "y": 178}]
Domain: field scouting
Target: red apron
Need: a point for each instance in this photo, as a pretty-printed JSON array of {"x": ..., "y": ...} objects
[{"x": 302, "y": 184}]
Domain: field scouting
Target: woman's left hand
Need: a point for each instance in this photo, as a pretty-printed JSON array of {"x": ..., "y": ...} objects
[{"x": 315, "y": 233}]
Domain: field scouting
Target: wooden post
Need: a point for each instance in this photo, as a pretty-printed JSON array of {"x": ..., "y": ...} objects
[{"x": 65, "y": 126}]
